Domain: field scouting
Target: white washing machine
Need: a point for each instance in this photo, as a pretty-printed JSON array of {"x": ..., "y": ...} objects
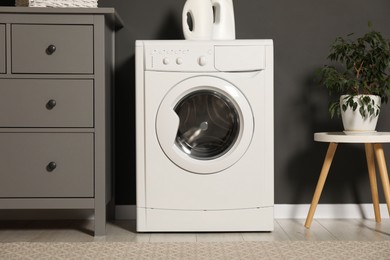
[{"x": 204, "y": 119}]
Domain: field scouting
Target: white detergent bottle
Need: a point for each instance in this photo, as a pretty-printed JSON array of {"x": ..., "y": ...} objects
[
  {"x": 200, "y": 12},
  {"x": 224, "y": 26}
]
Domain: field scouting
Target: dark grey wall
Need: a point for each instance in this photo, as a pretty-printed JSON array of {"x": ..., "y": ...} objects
[
  {"x": 7, "y": 3},
  {"x": 302, "y": 31}
]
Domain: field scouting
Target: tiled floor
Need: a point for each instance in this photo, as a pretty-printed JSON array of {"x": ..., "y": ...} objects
[{"x": 285, "y": 229}]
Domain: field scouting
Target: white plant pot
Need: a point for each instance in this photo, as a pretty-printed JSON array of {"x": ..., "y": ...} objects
[{"x": 353, "y": 121}]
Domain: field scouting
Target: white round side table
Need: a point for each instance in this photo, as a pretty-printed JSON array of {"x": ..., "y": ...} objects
[{"x": 373, "y": 144}]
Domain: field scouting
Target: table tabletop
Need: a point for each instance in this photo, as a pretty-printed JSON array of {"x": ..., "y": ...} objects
[{"x": 358, "y": 137}]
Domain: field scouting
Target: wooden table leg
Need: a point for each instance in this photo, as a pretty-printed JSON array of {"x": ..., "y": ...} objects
[
  {"x": 380, "y": 157},
  {"x": 321, "y": 181},
  {"x": 373, "y": 183}
]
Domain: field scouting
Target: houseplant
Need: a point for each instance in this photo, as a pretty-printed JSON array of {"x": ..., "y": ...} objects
[{"x": 359, "y": 74}]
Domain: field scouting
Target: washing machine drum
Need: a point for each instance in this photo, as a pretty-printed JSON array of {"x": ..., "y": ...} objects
[{"x": 204, "y": 125}]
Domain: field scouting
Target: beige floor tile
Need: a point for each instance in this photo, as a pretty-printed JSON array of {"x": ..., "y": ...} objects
[
  {"x": 382, "y": 228},
  {"x": 277, "y": 235},
  {"x": 295, "y": 230},
  {"x": 350, "y": 229},
  {"x": 122, "y": 231}
]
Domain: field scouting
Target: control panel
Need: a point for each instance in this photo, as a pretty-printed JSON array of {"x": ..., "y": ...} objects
[{"x": 199, "y": 57}]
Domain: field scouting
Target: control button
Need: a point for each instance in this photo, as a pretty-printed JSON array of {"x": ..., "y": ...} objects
[
  {"x": 179, "y": 61},
  {"x": 166, "y": 61},
  {"x": 202, "y": 60}
]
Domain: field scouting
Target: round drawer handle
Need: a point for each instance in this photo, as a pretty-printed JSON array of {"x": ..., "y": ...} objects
[
  {"x": 51, "y": 104},
  {"x": 51, "y": 49},
  {"x": 51, "y": 166}
]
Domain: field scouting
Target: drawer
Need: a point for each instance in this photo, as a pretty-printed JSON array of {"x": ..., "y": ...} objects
[
  {"x": 46, "y": 103},
  {"x": 27, "y": 165},
  {"x": 2, "y": 48},
  {"x": 52, "y": 49}
]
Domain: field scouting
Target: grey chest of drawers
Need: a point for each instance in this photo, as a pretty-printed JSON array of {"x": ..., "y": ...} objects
[{"x": 56, "y": 87}]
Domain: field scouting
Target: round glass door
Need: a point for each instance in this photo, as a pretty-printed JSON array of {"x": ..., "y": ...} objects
[
  {"x": 204, "y": 124},
  {"x": 209, "y": 124}
]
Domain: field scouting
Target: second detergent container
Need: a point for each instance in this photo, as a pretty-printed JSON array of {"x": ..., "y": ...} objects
[{"x": 208, "y": 20}]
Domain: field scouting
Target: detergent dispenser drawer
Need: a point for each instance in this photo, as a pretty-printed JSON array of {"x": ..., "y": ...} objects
[{"x": 239, "y": 58}]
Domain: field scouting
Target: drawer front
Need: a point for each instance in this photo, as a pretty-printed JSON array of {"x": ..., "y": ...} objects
[
  {"x": 46, "y": 103},
  {"x": 27, "y": 166},
  {"x": 2, "y": 48},
  {"x": 52, "y": 49}
]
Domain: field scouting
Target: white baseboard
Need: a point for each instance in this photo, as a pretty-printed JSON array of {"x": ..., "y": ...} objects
[
  {"x": 294, "y": 211},
  {"x": 282, "y": 211},
  {"x": 324, "y": 211}
]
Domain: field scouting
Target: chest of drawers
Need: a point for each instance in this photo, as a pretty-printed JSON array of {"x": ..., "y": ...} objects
[{"x": 56, "y": 86}]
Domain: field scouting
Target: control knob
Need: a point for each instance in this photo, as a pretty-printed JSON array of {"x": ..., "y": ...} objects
[
  {"x": 202, "y": 61},
  {"x": 166, "y": 61},
  {"x": 179, "y": 61}
]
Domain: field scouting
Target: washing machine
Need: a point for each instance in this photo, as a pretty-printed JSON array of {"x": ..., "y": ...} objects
[{"x": 204, "y": 135}]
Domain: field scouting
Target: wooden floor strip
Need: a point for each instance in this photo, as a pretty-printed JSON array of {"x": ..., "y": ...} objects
[{"x": 125, "y": 231}]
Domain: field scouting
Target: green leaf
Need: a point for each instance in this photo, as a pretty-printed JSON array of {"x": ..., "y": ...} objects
[
  {"x": 334, "y": 109},
  {"x": 362, "y": 111},
  {"x": 350, "y": 102},
  {"x": 366, "y": 99}
]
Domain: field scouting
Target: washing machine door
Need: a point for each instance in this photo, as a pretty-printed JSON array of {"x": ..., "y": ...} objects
[{"x": 204, "y": 124}]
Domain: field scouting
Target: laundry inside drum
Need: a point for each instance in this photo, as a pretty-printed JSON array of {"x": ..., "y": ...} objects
[{"x": 209, "y": 124}]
